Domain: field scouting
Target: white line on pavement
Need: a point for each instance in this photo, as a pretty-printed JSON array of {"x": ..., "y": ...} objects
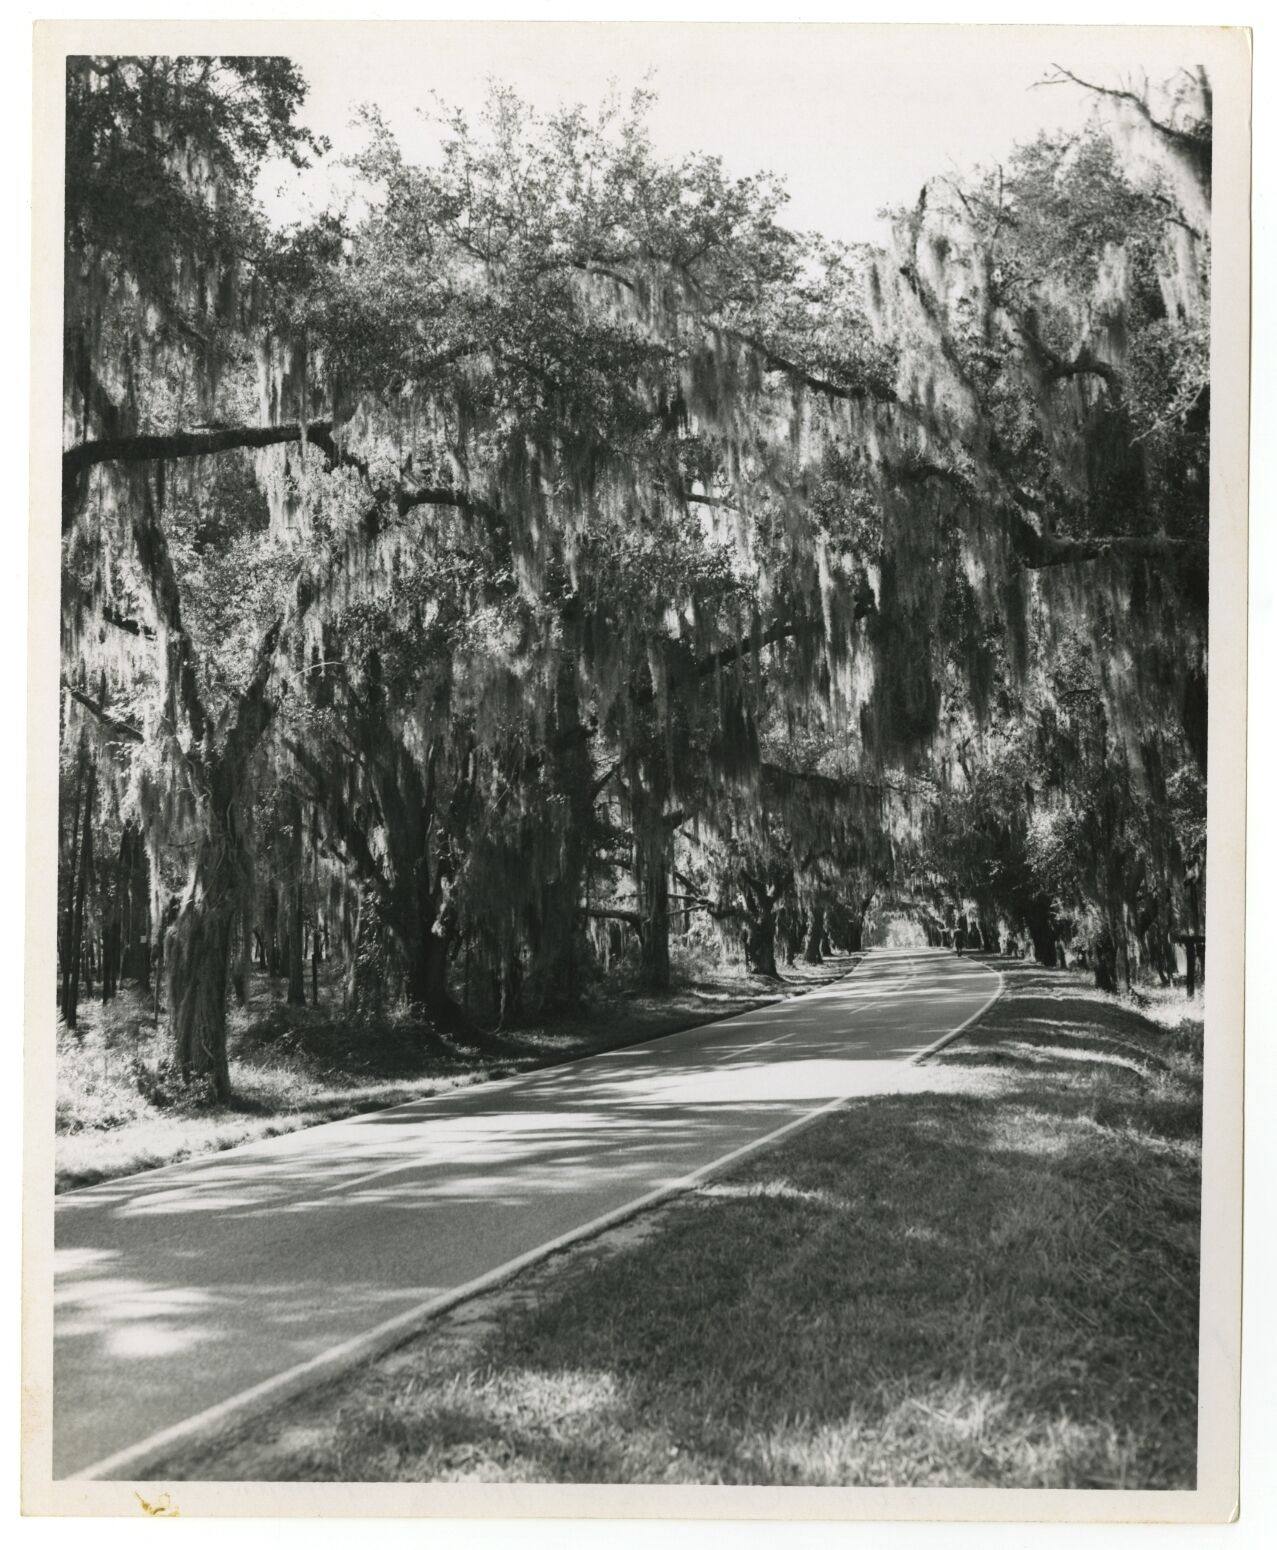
[
  {"x": 948, "y": 1038},
  {"x": 341, "y": 1358}
]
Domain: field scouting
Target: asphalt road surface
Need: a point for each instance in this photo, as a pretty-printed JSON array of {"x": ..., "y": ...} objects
[{"x": 189, "y": 1296}]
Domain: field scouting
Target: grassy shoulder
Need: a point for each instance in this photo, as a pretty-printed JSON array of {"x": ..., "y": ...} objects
[
  {"x": 992, "y": 1283},
  {"x": 121, "y": 1108}
]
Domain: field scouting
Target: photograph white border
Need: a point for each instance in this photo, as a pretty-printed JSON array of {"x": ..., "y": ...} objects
[{"x": 1227, "y": 54}]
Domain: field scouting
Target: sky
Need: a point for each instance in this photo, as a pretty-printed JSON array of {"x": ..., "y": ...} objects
[{"x": 854, "y": 118}]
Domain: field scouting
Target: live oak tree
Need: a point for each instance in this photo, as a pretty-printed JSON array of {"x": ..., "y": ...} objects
[
  {"x": 1052, "y": 320},
  {"x": 165, "y": 266},
  {"x": 619, "y": 556}
]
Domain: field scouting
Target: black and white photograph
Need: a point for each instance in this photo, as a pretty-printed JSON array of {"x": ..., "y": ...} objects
[{"x": 639, "y": 621}]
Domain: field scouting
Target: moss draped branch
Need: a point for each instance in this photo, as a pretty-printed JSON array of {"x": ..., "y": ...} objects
[
  {"x": 134, "y": 450},
  {"x": 1196, "y": 146},
  {"x": 1040, "y": 551},
  {"x": 772, "y": 359},
  {"x": 130, "y": 732}
]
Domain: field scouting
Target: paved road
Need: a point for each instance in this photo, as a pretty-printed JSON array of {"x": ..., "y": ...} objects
[{"x": 181, "y": 1290}]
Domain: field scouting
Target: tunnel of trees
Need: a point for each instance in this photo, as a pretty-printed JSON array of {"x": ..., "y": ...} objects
[{"x": 556, "y": 558}]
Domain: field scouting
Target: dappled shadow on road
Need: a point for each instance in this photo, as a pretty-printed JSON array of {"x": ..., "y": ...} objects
[
  {"x": 319, "y": 1235},
  {"x": 122, "y": 1108},
  {"x": 990, "y": 1286}
]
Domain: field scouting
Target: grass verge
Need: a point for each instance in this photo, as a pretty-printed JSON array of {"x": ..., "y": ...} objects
[
  {"x": 993, "y": 1286},
  {"x": 121, "y": 1108}
]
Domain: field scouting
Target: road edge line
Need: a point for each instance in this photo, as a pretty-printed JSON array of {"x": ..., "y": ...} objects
[
  {"x": 942, "y": 1043},
  {"x": 338, "y": 1360}
]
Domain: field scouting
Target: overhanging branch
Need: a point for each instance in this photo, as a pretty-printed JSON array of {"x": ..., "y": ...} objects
[
  {"x": 1197, "y": 147},
  {"x": 1041, "y": 551},
  {"x": 125, "y": 729},
  {"x": 193, "y": 443}
]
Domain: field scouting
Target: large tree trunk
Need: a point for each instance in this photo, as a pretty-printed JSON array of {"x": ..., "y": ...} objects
[
  {"x": 652, "y": 881},
  {"x": 653, "y": 858},
  {"x": 404, "y": 892},
  {"x": 199, "y": 956},
  {"x": 554, "y": 927},
  {"x": 788, "y": 936},
  {"x": 990, "y": 940},
  {"x": 760, "y": 930},
  {"x": 1154, "y": 940},
  {"x": 426, "y": 986},
  {"x": 1124, "y": 951},
  {"x": 202, "y": 938},
  {"x": 1042, "y": 932},
  {"x": 760, "y": 946},
  {"x": 427, "y": 978},
  {"x": 816, "y": 940},
  {"x": 426, "y": 936},
  {"x": 1105, "y": 950},
  {"x": 366, "y": 989},
  {"x": 424, "y": 933}
]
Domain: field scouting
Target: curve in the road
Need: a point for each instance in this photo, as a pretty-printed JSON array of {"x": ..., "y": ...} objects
[{"x": 190, "y": 1298}]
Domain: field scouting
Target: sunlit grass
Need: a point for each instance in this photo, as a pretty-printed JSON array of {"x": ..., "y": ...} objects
[{"x": 989, "y": 1286}]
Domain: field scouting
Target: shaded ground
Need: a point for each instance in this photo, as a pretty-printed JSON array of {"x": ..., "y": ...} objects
[
  {"x": 994, "y": 1287},
  {"x": 121, "y": 1108}
]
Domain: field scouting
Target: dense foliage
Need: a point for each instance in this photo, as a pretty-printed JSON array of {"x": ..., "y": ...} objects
[{"x": 560, "y": 557}]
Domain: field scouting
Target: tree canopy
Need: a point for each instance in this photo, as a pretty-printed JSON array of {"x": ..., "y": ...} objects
[{"x": 560, "y": 556}]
